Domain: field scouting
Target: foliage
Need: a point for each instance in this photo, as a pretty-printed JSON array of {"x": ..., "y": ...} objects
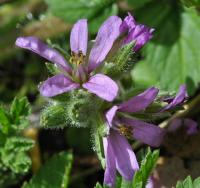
[
  {"x": 191, "y": 3},
  {"x": 173, "y": 53},
  {"x": 188, "y": 183},
  {"x": 141, "y": 177},
  {"x": 13, "y": 148},
  {"x": 99, "y": 10},
  {"x": 54, "y": 173}
]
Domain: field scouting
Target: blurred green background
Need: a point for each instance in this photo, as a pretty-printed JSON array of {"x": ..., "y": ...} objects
[{"x": 171, "y": 58}]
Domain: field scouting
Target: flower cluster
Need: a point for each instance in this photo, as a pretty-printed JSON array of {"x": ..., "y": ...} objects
[{"x": 81, "y": 71}]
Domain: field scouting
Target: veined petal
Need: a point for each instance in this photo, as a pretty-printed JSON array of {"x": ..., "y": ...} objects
[
  {"x": 79, "y": 37},
  {"x": 110, "y": 114},
  {"x": 179, "y": 99},
  {"x": 107, "y": 34},
  {"x": 139, "y": 102},
  {"x": 110, "y": 172},
  {"x": 126, "y": 161},
  {"x": 102, "y": 86},
  {"x": 56, "y": 85},
  {"x": 35, "y": 45},
  {"x": 145, "y": 132}
]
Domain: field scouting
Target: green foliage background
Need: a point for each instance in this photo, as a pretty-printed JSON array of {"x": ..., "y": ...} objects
[{"x": 171, "y": 58}]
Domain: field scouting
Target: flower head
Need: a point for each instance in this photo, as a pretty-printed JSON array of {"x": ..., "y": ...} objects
[
  {"x": 77, "y": 72},
  {"x": 138, "y": 33},
  {"x": 121, "y": 127}
]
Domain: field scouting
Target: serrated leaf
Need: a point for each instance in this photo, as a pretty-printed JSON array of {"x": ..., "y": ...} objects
[
  {"x": 188, "y": 183},
  {"x": 173, "y": 53},
  {"x": 20, "y": 108},
  {"x": 142, "y": 175},
  {"x": 18, "y": 144},
  {"x": 13, "y": 154},
  {"x": 71, "y": 11},
  {"x": 54, "y": 173}
]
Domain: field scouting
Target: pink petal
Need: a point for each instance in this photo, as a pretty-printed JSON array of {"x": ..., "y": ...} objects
[
  {"x": 57, "y": 85},
  {"x": 139, "y": 102},
  {"x": 126, "y": 161},
  {"x": 79, "y": 37},
  {"x": 107, "y": 34},
  {"x": 110, "y": 114},
  {"x": 110, "y": 172},
  {"x": 35, "y": 45},
  {"x": 102, "y": 86},
  {"x": 145, "y": 132}
]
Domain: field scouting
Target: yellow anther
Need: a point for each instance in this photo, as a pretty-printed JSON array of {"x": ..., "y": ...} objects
[
  {"x": 77, "y": 58},
  {"x": 126, "y": 131}
]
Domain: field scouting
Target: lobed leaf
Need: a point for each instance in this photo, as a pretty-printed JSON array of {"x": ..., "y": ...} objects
[{"x": 54, "y": 173}]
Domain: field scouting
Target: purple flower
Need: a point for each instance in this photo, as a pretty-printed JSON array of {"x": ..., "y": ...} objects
[
  {"x": 177, "y": 100},
  {"x": 118, "y": 153},
  {"x": 78, "y": 73},
  {"x": 139, "y": 33},
  {"x": 189, "y": 124}
]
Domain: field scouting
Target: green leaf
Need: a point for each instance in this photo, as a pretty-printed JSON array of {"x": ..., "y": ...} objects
[
  {"x": 54, "y": 173},
  {"x": 137, "y": 4},
  {"x": 173, "y": 53},
  {"x": 4, "y": 121},
  {"x": 179, "y": 185},
  {"x": 191, "y": 3},
  {"x": 14, "y": 156},
  {"x": 188, "y": 183},
  {"x": 141, "y": 176},
  {"x": 19, "y": 109},
  {"x": 196, "y": 183},
  {"x": 143, "y": 75},
  {"x": 98, "y": 185},
  {"x": 71, "y": 11}
]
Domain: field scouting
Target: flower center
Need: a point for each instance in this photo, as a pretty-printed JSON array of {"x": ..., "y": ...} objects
[
  {"x": 126, "y": 131},
  {"x": 77, "y": 59}
]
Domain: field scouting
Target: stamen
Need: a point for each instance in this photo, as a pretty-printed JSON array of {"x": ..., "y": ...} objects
[
  {"x": 126, "y": 131},
  {"x": 77, "y": 58}
]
